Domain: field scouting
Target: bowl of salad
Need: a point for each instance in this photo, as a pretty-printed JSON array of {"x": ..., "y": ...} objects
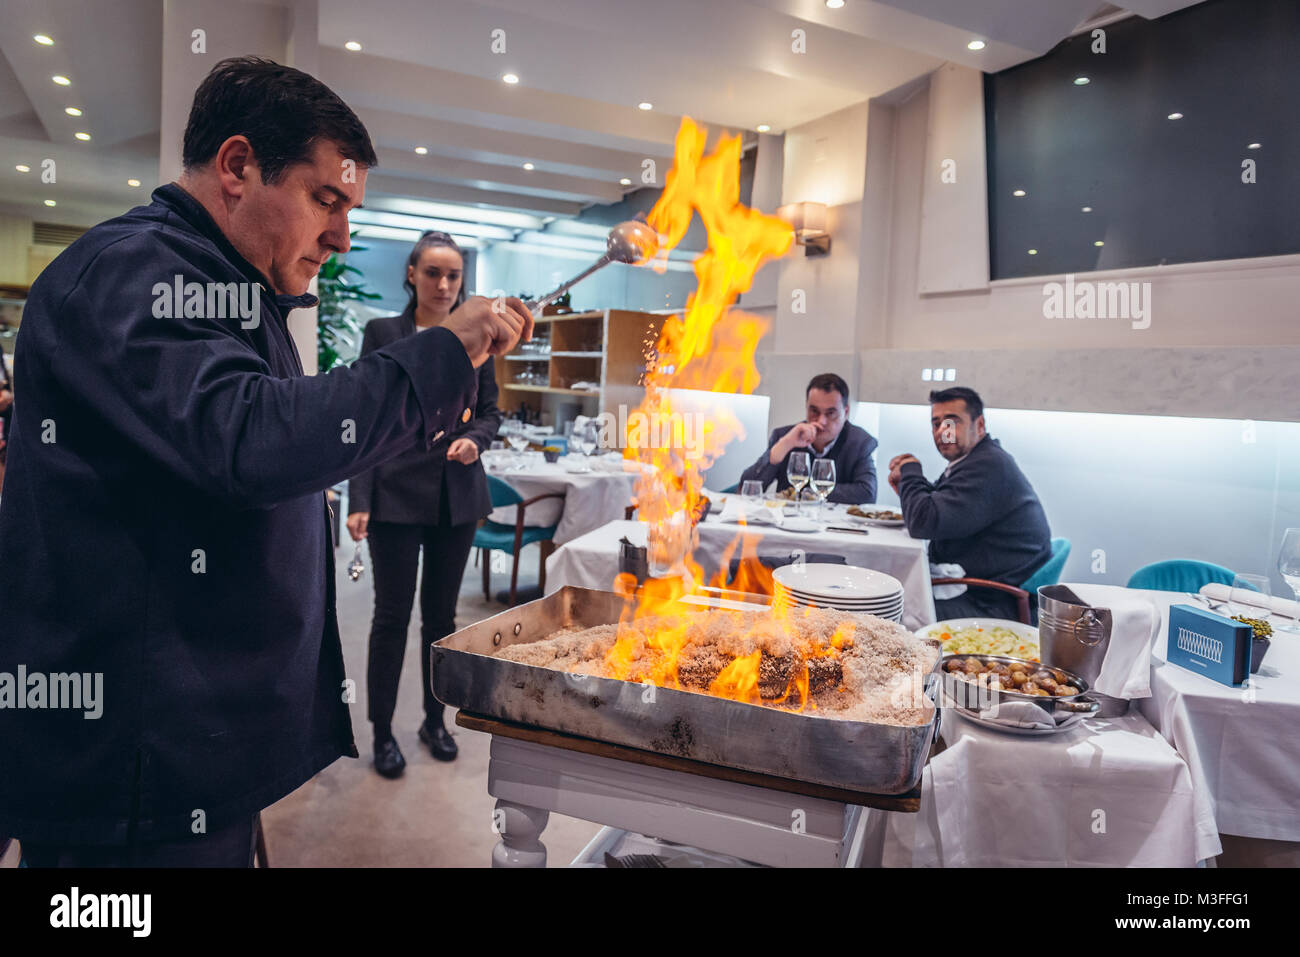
[{"x": 984, "y": 636}]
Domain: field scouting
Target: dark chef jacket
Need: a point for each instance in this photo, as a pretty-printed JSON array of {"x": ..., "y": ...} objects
[
  {"x": 164, "y": 524},
  {"x": 409, "y": 488}
]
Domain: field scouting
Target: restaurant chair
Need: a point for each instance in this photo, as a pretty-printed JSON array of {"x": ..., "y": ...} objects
[
  {"x": 1180, "y": 574},
  {"x": 1049, "y": 573},
  {"x": 497, "y": 536}
]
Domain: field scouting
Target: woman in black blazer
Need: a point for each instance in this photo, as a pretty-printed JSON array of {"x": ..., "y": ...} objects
[{"x": 430, "y": 498}]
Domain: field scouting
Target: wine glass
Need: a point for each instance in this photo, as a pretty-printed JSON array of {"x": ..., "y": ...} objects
[
  {"x": 517, "y": 438},
  {"x": 1249, "y": 596},
  {"x": 1288, "y": 566},
  {"x": 798, "y": 470},
  {"x": 823, "y": 482},
  {"x": 588, "y": 439}
]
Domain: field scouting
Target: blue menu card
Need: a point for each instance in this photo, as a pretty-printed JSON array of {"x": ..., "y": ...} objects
[{"x": 1209, "y": 644}]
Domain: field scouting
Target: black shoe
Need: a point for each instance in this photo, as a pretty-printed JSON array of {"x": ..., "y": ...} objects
[
  {"x": 439, "y": 742},
  {"x": 388, "y": 759}
]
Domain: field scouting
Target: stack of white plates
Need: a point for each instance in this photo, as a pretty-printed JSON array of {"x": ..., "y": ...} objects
[{"x": 843, "y": 587}]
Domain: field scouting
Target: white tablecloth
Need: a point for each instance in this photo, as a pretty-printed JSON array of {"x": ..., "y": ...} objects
[
  {"x": 592, "y": 560},
  {"x": 1242, "y": 744},
  {"x": 1111, "y": 792},
  {"x": 590, "y": 498}
]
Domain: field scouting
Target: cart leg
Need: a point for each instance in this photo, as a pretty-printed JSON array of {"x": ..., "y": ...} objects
[{"x": 520, "y": 828}]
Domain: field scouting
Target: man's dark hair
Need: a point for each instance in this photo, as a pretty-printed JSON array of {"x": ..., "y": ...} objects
[
  {"x": 974, "y": 405},
  {"x": 829, "y": 382},
  {"x": 282, "y": 111}
]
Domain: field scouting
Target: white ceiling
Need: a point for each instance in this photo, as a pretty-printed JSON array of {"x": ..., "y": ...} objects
[{"x": 427, "y": 76}]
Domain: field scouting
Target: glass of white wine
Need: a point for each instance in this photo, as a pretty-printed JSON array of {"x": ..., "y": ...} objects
[
  {"x": 799, "y": 472},
  {"x": 823, "y": 483},
  {"x": 1288, "y": 566}
]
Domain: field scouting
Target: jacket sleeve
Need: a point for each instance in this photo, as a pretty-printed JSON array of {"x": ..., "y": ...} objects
[
  {"x": 763, "y": 470},
  {"x": 859, "y": 485},
  {"x": 487, "y": 417},
  {"x": 361, "y": 487},
  {"x": 968, "y": 502},
  {"x": 194, "y": 396}
]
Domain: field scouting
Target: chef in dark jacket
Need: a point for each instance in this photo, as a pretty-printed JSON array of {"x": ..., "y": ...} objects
[
  {"x": 425, "y": 498},
  {"x": 164, "y": 535}
]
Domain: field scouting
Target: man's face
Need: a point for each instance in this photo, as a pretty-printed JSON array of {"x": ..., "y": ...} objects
[
  {"x": 288, "y": 229},
  {"x": 828, "y": 412},
  {"x": 954, "y": 432}
]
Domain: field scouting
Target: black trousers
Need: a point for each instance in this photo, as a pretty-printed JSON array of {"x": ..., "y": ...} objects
[
  {"x": 395, "y": 555},
  {"x": 231, "y": 846}
]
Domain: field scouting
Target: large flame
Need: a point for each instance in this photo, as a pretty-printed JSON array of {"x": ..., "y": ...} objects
[{"x": 710, "y": 348}]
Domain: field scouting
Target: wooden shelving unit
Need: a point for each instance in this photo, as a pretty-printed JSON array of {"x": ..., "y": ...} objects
[{"x": 604, "y": 346}]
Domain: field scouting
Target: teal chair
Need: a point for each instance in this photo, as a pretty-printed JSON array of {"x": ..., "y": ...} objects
[
  {"x": 496, "y": 536},
  {"x": 1049, "y": 573},
  {"x": 1180, "y": 574}
]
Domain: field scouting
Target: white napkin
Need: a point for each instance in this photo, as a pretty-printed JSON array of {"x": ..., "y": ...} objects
[
  {"x": 1126, "y": 670},
  {"x": 947, "y": 570},
  {"x": 1275, "y": 603},
  {"x": 739, "y": 508},
  {"x": 1023, "y": 714}
]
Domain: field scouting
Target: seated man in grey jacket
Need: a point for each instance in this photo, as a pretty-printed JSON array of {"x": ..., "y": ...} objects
[
  {"x": 827, "y": 432},
  {"x": 981, "y": 513}
]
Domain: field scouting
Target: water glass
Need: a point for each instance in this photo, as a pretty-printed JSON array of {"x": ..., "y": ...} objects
[
  {"x": 1288, "y": 566},
  {"x": 1250, "y": 597}
]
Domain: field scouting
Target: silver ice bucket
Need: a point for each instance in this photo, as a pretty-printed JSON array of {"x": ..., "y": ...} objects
[{"x": 1074, "y": 635}]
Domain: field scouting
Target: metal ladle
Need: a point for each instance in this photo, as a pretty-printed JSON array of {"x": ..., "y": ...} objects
[{"x": 631, "y": 242}]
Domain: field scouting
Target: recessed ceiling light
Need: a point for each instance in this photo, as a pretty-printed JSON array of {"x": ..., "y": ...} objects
[
  {"x": 644, "y": 105},
  {"x": 1254, "y": 146},
  {"x": 834, "y": 4},
  {"x": 72, "y": 111},
  {"x": 509, "y": 78},
  {"x": 1081, "y": 81},
  {"x": 422, "y": 150},
  {"x": 1175, "y": 116},
  {"x": 43, "y": 40},
  {"x": 23, "y": 168},
  {"x": 1018, "y": 192},
  {"x": 1099, "y": 243},
  {"x": 762, "y": 127},
  {"x": 975, "y": 45},
  {"x": 133, "y": 183},
  {"x": 50, "y": 202},
  {"x": 1086, "y": 209},
  {"x": 61, "y": 80},
  {"x": 624, "y": 182},
  {"x": 1033, "y": 252},
  {"x": 84, "y": 137},
  {"x": 352, "y": 45},
  {"x": 528, "y": 166}
]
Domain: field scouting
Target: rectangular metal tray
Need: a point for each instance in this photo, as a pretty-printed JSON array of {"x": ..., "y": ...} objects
[{"x": 856, "y": 755}]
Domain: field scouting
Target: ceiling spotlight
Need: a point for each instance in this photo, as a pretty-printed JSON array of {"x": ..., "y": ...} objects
[
  {"x": 43, "y": 40},
  {"x": 1018, "y": 192},
  {"x": 510, "y": 78},
  {"x": 72, "y": 111},
  {"x": 1099, "y": 244},
  {"x": 1175, "y": 116},
  {"x": 624, "y": 182},
  {"x": 84, "y": 137},
  {"x": 1081, "y": 81},
  {"x": 834, "y": 4},
  {"x": 528, "y": 166},
  {"x": 23, "y": 168},
  {"x": 1254, "y": 146},
  {"x": 133, "y": 183},
  {"x": 61, "y": 80},
  {"x": 1033, "y": 252},
  {"x": 643, "y": 105},
  {"x": 975, "y": 45},
  {"x": 422, "y": 150},
  {"x": 50, "y": 202},
  {"x": 352, "y": 45},
  {"x": 762, "y": 127},
  {"x": 1086, "y": 209}
]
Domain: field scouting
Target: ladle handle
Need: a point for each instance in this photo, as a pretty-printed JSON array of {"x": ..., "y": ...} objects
[{"x": 550, "y": 297}]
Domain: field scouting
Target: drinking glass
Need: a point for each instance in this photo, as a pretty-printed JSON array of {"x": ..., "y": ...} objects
[
  {"x": 517, "y": 438},
  {"x": 823, "y": 482},
  {"x": 588, "y": 438},
  {"x": 798, "y": 470},
  {"x": 1288, "y": 566},
  {"x": 1250, "y": 596},
  {"x": 751, "y": 488}
]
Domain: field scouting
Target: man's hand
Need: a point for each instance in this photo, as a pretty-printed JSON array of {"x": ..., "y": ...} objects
[
  {"x": 358, "y": 524},
  {"x": 799, "y": 436},
  {"x": 463, "y": 450},
  {"x": 490, "y": 327},
  {"x": 896, "y": 468}
]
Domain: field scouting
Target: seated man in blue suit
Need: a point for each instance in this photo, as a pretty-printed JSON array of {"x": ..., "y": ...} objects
[{"x": 827, "y": 432}]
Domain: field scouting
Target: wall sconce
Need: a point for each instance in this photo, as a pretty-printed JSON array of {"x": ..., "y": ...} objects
[{"x": 809, "y": 222}]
